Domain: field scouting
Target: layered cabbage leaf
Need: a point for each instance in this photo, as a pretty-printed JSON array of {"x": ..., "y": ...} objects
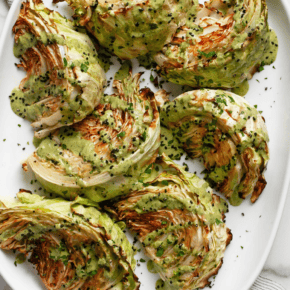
[
  {"x": 228, "y": 133},
  {"x": 227, "y": 43},
  {"x": 99, "y": 156},
  {"x": 132, "y": 28},
  {"x": 179, "y": 222},
  {"x": 72, "y": 244},
  {"x": 64, "y": 81}
]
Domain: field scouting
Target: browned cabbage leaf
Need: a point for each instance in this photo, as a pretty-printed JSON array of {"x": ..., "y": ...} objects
[
  {"x": 133, "y": 28},
  {"x": 228, "y": 133},
  {"x": 227, "y": 42},
  {"x": 64, "y": 81},
  {"x": 98, "y": 156},
  {"x": 180, "y": 225},
  {"x": 72, "y": 244}
]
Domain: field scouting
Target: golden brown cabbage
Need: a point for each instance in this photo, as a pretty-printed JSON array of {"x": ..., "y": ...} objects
[
  {"x": 64, "y": 81},
  {"x": 133, "y": 28},
  {"x": 72, "y": 244},
  {"x": 228, "y": 133},
  {"x": 180, "y": 225},
  {"x": 225, "y": 45},
  {"x": 95, "y": 156}
]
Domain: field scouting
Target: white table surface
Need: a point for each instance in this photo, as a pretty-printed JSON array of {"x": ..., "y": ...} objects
[{"x": 277, "y": 266}]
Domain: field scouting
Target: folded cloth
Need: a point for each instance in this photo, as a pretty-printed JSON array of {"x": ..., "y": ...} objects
[
  {"x": 9, "y": 2},
  {"x": 261, "y": 283}
]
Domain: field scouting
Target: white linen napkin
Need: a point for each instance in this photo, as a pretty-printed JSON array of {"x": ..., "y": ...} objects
[
  {"x": 261, "y": 283},
  {"x": 9, "y": 2}
]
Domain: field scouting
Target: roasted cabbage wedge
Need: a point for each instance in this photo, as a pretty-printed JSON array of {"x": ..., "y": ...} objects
[
  {"x": 228, "y": 133},
  {"x": 227, "y": 43},
  {"x": 179, "y": 222},
  {"x": 99, "y": 156},
  {"x": 133, "y": 28},
  {"x": 72, "y": 244},
  {"x": 64, "y": 81}
]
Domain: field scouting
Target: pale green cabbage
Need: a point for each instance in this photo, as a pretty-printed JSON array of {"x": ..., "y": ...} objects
[
  {"x": 179, "y": 222},
  {"x": 100, "y": 156},
  {"x": 64, "y": 80},
  {"x": 72, "y": 244},
  {"x": 228, "y": 133},
  {"x": 225, "y": 45}
]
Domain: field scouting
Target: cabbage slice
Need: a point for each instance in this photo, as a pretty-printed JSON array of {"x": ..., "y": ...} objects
[
  {"x": 100, "y": 156},
  {"x": 225, "y": 45},
  {"x": 179, "y": 222},
  {"x": 64, "y": 80},
  {"x": 228, "y": 133},
  {"x": 133, "y": 28},
  {"x": 72, "y": 244}
]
